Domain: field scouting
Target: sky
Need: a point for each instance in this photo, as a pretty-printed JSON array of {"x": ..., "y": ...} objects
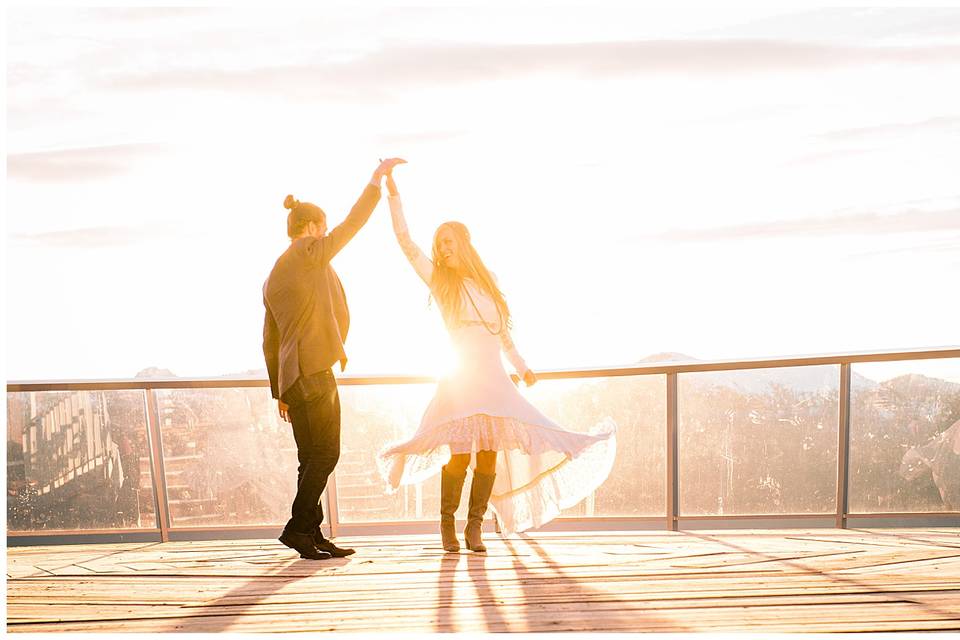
[{"x": 721, "y": 183}]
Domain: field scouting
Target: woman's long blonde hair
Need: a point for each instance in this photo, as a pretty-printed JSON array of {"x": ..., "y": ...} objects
[{"x": 446, "y": 283}]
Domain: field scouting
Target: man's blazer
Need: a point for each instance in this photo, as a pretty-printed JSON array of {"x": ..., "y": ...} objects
[{"x": 307, "y": 318}]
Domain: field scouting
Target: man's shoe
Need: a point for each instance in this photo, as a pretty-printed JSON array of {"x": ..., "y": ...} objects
[
  {"x": 303, "y": 542},
  {"x": 323, "y": 544}
]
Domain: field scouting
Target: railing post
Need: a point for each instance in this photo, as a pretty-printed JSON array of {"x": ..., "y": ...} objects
[
  {"x": 672, "y": 456},
  {"x": 843, "y": 447},
  {"x": 418, "y": 500},
  {"x": 333, "y": 511},
  {"x": 156, "y": 465}
]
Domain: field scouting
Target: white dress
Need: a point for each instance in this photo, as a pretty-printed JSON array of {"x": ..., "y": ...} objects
[{"x": 541, "y": 468}]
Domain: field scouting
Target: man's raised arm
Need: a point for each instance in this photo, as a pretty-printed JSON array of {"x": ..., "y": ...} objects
[{"x": 333, "y": 242}]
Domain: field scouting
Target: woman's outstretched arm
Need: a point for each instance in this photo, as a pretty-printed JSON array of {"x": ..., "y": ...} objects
[
  {"x": 510, "y": 350},
  {"x": 421, "y": 264}
]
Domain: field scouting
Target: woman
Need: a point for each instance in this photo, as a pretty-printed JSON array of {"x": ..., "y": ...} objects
[{"x": 527, "y": 467}]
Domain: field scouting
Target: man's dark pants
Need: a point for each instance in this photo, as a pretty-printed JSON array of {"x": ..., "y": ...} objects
[{"x": 315, "y": 413}]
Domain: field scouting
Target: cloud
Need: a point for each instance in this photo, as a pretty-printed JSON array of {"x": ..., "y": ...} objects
[
  {"x": 948, "y": 246},
  {"x": 908, "y": 221},
  {"x": 402, "y": 67},
  {"x": 95, "y": 237},
  {"x": 815, "y": 158},
  {"x": 751, "y": 113},
  {"x": 847, "y": 23},
  {"x": 935, "y": 125},
  {"x": 941, "y": 125},
  {"x": 21, "y": 116},
  {"x": 402, "y": 139},
  {"x": 83, "y": 163},
  {"x": 147, "y": 14}
]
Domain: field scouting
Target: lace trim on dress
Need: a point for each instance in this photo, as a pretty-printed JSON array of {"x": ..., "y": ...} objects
[
  {"x": 422, "y": 456},
  {"x": 474, "y": 323},
  {"x": 580, "y": 463},
  {"x": 482, "y": 432}
]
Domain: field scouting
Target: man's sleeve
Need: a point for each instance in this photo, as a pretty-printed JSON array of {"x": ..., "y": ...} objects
[
  {"x": 271, "y": 351},
  {"x": 324, "y": 249}
]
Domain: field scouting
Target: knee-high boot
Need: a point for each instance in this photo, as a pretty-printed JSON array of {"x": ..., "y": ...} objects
[
  {"x": 451, "y": 485},
  {"x": 480, "y": 490}
]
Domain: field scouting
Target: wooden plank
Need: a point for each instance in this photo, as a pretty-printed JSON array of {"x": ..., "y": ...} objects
[
  {"x": 863, "y": 617},
  {"x": 203, "y": 590},
  {"x": 507, "y": 610},
  {"x": 426, "y": 592}
]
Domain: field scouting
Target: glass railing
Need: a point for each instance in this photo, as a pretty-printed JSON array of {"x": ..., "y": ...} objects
[
  {"x": 759, "y": 442},
  {"x": 826, "y": 438}
]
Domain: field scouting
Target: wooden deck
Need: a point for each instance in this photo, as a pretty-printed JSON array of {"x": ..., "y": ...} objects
[{"x": 790, "y": 580}]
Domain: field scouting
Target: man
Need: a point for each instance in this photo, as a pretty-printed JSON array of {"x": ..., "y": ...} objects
[{"x": 304, "y": 330}]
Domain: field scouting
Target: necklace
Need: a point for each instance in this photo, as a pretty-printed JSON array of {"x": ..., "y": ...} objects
[{"x": 480, "y": 315}]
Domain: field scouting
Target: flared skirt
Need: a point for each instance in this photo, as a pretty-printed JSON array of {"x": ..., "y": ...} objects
[{"x": 542, "y": 468}]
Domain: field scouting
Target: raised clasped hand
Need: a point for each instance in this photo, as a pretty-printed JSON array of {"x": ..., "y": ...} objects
[{"x": 386, "y": 166}]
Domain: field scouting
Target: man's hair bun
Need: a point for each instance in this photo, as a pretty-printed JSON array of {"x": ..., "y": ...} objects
[{"x": 291, "y": 203}]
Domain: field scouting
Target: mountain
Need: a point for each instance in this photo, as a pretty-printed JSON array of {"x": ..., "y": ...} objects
[
  {"x": 249, "y": 373},
  {"x": 668, "y": 356},
  {"x": 910, "y": 382},
  {"x": 154, "y": 372}
]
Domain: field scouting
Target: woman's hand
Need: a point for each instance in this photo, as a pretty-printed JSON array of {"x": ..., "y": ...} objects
[
  {"x": 392, "y": 162},
  {"x": 529, "y": 378},
  {"x": 386, "y": 167}
]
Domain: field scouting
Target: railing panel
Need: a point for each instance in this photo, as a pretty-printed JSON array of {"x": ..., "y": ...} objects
[
  {"x": 78, "y": 461},
  {"x": 758, "y": 442},
  {"x": 636, "y": 485},
  {"x": 374, "y": 417},
  {"x": 756, "y": 437},
  {"x": 228, "y": 458},
  {"x": 905, "y": 437}
]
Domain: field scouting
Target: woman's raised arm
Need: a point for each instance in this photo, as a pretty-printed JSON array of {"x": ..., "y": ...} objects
[{"x": 421, "y": 264}]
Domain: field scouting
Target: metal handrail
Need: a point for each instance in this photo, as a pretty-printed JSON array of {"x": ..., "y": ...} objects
[{"x": 691, "y": 366}]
